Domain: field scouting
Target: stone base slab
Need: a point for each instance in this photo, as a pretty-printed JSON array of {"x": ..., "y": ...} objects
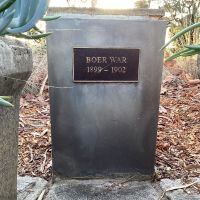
[{"x": 106, "y": 189}]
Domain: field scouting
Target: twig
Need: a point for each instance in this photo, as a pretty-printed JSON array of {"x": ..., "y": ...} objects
[
  {"x": 43, "y": 133},
  {"x": 31, "y": 153},
  {"x": 161, "y": 116},
  {"x": 41, "y": 195},
  {"x": 44, "y": 162},
  {"x": 43, "y": 85},
  {"x": 176, "y": 188},
  {"x": 131, "y": 178}
]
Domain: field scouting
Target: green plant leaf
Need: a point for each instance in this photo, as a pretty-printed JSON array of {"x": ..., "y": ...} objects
[
  {"x": 194, "y": 46},
  {"x": 37, "y": 29},
  {"x": 5, "y": 21},
  {"x": 184, "y": 53},
  {"x": 5, "y": 103},
  {"x": 20, "y": 16},
  {"x": 185, "y": 30},
  {"x": 6, "y": 4},
  {"x": 41, "y": 8},
  {"x": 33, "y": 37},
  {"x": 49, "y": 18},
  {"x": 7, "y": 98},
  {"x": 191, "y": 53},
  {"x": 176, "y": 55}
]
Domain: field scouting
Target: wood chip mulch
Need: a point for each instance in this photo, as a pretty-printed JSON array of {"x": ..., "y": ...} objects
[{"x": 178, "y": 141}]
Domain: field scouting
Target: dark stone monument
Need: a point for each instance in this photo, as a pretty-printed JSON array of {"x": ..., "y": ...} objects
[{"x": 104, "y": 107}]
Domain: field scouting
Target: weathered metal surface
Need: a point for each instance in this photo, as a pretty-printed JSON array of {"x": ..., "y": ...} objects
[{"x": 104, "y": 128}]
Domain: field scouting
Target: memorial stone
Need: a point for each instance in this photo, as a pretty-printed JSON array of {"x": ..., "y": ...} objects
[{"x": 106, "y": 75}]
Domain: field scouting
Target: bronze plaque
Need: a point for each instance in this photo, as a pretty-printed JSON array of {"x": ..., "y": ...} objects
[{"x": 105, "y": 65}]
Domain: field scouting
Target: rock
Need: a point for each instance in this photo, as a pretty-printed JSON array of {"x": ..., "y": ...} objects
[
  {"x": 15, "y": 63},
  {"x": 106, "y": 189},
  {"x": 29, "y": 188},
  {"x": 178, "y": 194}
]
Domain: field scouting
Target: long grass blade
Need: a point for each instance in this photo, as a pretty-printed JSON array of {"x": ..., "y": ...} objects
[
  {"x": 185, "y": 30},
  {"x": 196, "y": 46},
  {"x": 7, "y": 98},
  {"x": 5, "y": 103},
  {"x": 34, "y": 37},
  {"x": 176, "y": 55},
  {"x": 50, "y": 18}
]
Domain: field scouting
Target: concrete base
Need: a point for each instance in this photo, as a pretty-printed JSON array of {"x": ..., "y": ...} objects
[
  {"x": 178, "y": 194},
  {"x": 106, "y": 189},
  {"x": 30, "y": 188}
]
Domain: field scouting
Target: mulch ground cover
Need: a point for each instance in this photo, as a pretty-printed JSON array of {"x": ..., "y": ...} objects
[{"x": 178, "y": 140}]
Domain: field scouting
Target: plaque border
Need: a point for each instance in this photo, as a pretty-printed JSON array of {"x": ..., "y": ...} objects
[{"x": 104, "y": 81}]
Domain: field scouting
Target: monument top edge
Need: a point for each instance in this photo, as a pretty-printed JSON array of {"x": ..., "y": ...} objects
[{"x": 151, "y": 13}]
